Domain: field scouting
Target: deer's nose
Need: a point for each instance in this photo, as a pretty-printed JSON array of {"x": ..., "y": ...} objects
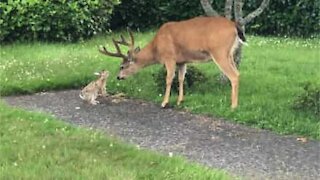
[{"x": 120, "y": 78}]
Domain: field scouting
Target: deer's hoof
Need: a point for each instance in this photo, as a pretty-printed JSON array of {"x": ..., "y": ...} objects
[
  {"x": 179, "y": 102},
  {"x": 164, "y": 104}
]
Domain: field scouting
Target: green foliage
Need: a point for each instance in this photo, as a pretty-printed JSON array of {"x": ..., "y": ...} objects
[
  {"x": 283, "y": 17},
  {"x": 136, "y": 14},
  {"x": 309, "y": 100},
  {"x": 60, "y": 20},
  {"x": 287, "y": 17},
  {"x": 141, "y": 14},
  {"x": 193, "y": 77},
  {"x": 179, "y": 9}
]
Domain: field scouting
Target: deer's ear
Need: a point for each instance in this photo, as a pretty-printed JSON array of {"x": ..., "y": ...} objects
[
  {"x": 137, "y": 49},
  {"x": 96, "y": 73}
]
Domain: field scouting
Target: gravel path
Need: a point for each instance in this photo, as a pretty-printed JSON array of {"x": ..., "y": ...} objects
[{"x": 248, "y": 152}]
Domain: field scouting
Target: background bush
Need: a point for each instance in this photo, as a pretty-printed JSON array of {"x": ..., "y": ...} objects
[
  {"x": 282, "y": 17},
  {"x": 59, "y": 20},
  {"x": 71, "y": 20},
  {"x": 136, "y": 14},
  {"x": 193, "y": 77},
  {"x": 287, "y": 17},
  {"x": 309, "y": 100},
  {"x": 141, "y": 14}
]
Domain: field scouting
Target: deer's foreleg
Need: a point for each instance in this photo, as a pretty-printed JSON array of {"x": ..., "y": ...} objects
[
  {"x": 170, "y": 66},
  {"x": 182, "y": 73}
]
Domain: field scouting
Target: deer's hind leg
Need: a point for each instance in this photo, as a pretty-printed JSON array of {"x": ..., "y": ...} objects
[{"x": 224, "y": 62}]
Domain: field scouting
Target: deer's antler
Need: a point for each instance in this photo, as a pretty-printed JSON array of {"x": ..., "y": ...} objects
[
  {"x": 124, "y": 42},
  {"x": 116, "y": 43},
  {"x": 104, "y": 50}
]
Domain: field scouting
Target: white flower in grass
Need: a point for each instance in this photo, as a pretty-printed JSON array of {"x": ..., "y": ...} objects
[{"x": 170, "y": 154}]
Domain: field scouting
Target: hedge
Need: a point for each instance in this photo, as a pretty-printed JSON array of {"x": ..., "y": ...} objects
[
  {"x": 282, "y": 17},
  {"x": 58, "y": 20}
]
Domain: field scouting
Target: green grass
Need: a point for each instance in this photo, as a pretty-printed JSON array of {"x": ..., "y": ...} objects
[
  {"x": 273, "y": 72},
  {"x": 37, "y": 146}
]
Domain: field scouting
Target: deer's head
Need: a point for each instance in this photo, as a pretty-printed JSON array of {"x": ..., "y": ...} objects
[{"x": 129, "y": 64}]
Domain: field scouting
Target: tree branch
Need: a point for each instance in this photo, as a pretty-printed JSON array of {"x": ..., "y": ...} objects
[
  {"x": 228, "y": 9},
  {"x": 255, "y": 13},
  {"x": 238, "y": 15},
  {"x": 206, "y": 5}
]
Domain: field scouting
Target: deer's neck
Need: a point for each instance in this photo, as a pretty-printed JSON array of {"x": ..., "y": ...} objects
[{"x": 146, "y": 56}]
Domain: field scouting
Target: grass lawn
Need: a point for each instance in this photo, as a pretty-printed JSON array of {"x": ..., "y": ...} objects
[
  {"x": 273, "y": 73},
  {"x": 37, "y": 146}
]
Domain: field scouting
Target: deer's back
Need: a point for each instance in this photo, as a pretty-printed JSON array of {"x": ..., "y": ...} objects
[{"x": 194, "y": 38}]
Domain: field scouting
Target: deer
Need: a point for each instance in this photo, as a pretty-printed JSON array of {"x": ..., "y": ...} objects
[{"x": 176, "y": 44}]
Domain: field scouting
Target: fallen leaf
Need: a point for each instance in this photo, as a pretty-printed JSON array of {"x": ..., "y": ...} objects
[
  {"x": 119, "y": 95},
  {"x": 117, "y": 98},
  {"x": 215, "y": 138},
  {"x": 116, "y": 101},
  {"x": 302, "y": 139}
]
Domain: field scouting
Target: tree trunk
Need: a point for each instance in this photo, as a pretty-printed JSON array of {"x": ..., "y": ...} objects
[
  {"x": 228, "y": 9},
  {"x": 206, "y": 5}
]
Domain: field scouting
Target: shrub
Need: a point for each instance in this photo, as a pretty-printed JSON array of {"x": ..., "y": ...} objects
[
  {"x": 192, "y": 78},
  {"x": 287, "y": 17},
  {"x": 309, "y": 100},
  {"x": 141, "y": 14},
  {"x": 282, "y": 17},
  {"x": 136, "y": 14},
  {"x": 59, "y": 20}
]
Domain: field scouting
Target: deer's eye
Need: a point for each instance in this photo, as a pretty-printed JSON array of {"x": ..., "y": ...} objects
[{"x": 121, "y": 67}]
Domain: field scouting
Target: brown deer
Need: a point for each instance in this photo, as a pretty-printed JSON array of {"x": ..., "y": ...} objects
[{"x": 177, "y": 43}]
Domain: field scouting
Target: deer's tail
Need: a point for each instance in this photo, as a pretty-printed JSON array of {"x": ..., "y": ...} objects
[{"x": 241, "y": 35}]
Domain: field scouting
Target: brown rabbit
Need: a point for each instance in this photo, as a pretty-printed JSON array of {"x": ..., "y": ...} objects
[{"x": 95, "y": 88}]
